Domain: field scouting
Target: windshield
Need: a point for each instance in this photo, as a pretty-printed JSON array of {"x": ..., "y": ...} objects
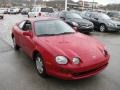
[
  {"x": 50, "y": 10},
  {"x": 114, "y": 14},
  {"x": 104, "y": 16},
  {"x": 73, "y": 15},
  {"x": 52, "y": 27},
  {"x": 33, "y": 10}
]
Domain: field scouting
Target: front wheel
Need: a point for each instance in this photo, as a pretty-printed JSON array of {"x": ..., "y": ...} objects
[
  {"x": 40, "y": 66},
  {"x": 16, "y": 47},
  {"x": 102, "y": 28}
]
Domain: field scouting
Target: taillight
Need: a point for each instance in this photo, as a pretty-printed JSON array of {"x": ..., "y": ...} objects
[{"x": 39, "y": 14}]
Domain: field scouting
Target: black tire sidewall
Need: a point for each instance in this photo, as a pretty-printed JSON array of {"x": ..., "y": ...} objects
[{"x": 16, "y": 47}]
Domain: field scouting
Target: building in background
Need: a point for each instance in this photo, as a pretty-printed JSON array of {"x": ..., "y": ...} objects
[
  {"x": 81, "y": 5},
  {"x": 59, "y": 4}
]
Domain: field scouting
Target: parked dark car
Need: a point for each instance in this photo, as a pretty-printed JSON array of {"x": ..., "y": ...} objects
[
  {"x": 102, "y": 22},
  {"x": 114, "y": 15},
  {"x": 25, "y": 11},
  {"x": 75, "y": 20}
]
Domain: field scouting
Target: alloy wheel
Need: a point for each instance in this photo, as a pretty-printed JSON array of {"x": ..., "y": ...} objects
[
  {"x": 102, "y": 28},
  {"x": 39, "y": 65}
]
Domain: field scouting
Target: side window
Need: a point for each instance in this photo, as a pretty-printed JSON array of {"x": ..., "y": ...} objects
[
  {"x": 62, "y": 14},
  {"x": 93, "y": 16},
  {"x": 87, "y": 15},
  {"x": 27, "y": 26},
  {"x": 21, "y": 25}
]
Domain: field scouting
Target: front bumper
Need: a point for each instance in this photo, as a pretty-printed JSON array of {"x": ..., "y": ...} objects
[
  {"x": 76, "y": 73},
  {"x": 86, "y": 29}
]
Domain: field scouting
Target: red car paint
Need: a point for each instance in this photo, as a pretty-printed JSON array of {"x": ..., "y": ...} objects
[{"x": 88, "y": 49}]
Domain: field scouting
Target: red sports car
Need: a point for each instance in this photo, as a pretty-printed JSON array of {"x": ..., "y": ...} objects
[{"x": 59, "y": 50}]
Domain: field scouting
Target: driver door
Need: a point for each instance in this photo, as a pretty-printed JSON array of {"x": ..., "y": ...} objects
[
  {"x": 27, "y": 41},
  {"x": 95, "y": 20}
]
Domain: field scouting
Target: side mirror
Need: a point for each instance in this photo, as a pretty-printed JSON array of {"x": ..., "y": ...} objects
[
  {"x": 96, "y": 18},
  {"x": 27, "y": 33},
  {"x": 75, "y": 28}
]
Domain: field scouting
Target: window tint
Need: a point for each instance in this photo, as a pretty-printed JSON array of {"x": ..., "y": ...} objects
[
  {"x": 113, "y": 14},
  {"x": 50, "y": 10}
]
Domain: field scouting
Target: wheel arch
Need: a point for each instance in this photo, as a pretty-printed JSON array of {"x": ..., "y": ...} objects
[
  {"x": 102, "y": 24},
  {"x": 106, "y": 28},
  {"x": 35, "y": 52}
]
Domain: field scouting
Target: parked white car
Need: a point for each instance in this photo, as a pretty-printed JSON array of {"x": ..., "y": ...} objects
[
  {"x": 14, "y": 10},
  {"x": 40, "y": 11},
  {"x": 1, "y": 13}
]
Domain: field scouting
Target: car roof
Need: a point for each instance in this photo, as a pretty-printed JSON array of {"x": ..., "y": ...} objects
[{"x": 42, "y": 18}]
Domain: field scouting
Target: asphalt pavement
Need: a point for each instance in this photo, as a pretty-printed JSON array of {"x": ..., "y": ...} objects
[{"x": 17, "y": 70}]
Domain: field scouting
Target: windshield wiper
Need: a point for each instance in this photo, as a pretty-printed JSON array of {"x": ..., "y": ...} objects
[
  {"x": 56, "y": 34},
  {"x": 66, "y": 33},
  {"x": 47, "y": 35}
]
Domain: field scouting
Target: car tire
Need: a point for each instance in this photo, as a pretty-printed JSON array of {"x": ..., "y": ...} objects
[
  {"x": 2, "y": 17},
  {"x": 102, "y": 28},
  {"x": 40, "y": 65},
  {"x": 16, "y": 47}
]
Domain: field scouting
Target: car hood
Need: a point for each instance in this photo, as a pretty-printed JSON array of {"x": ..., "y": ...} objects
[
  {"x": 73, "y": 45},
  {"x": 81, "y": 21}
]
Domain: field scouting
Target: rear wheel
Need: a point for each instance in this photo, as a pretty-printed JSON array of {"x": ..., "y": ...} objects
[
  {"x": 103, "y": 28},
  {"x": 2, "y": 17},
  {"x": 40, "y": 66},
  {"x": 16, "y": 47}
]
